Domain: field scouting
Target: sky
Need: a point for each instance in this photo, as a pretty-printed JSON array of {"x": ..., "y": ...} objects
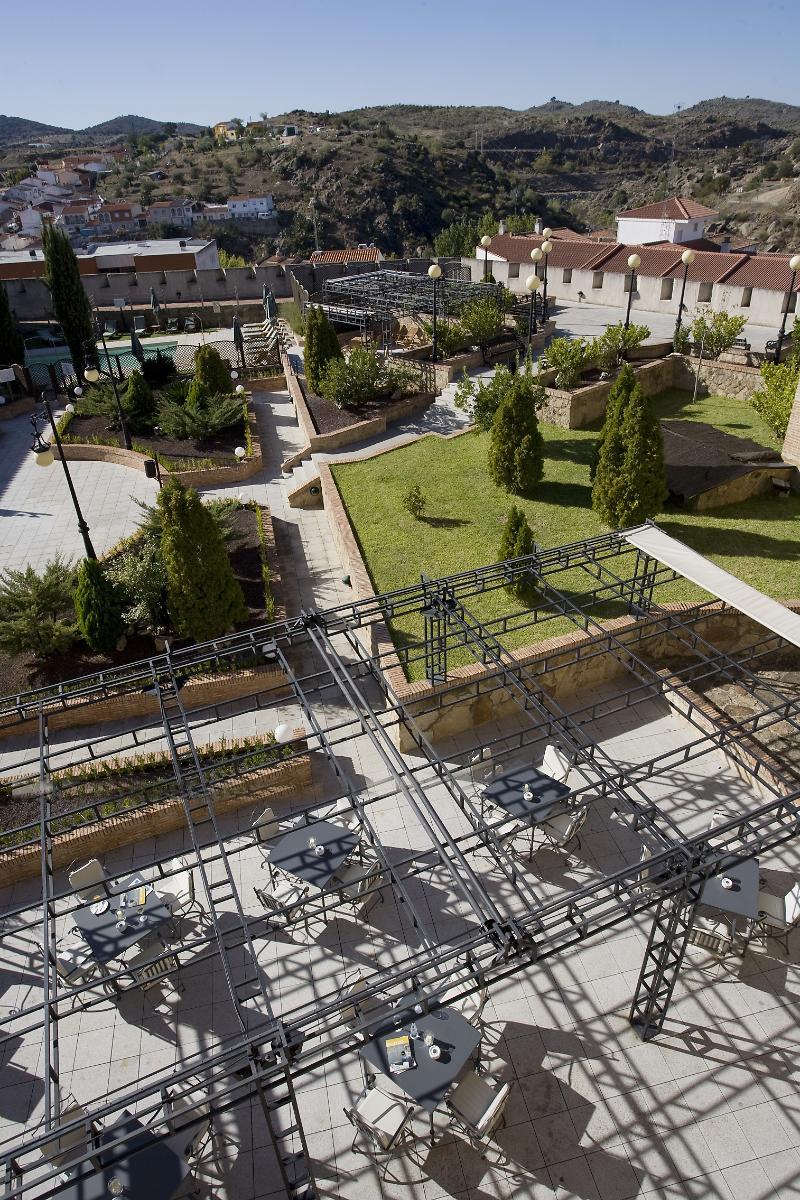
[{"x": 80, "y": 63}]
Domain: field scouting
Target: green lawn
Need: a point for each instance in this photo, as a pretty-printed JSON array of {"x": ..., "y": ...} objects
[
  {"x": 732, "y": 416},
  {"x": 463, "y": 524}
]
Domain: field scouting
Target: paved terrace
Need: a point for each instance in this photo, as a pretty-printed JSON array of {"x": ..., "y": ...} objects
[{"x": 707, "y": 1110}]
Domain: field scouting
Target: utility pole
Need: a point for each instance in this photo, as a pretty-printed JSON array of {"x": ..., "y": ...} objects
[{"x": 312, "y": 204}]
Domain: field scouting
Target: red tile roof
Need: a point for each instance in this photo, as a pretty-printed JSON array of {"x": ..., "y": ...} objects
[
  {"x": 359, "y": 254},
  {"x": 674, "y": 209},
  {"x": 768, "y": 271},
  {"x": 566, "y": 252}
]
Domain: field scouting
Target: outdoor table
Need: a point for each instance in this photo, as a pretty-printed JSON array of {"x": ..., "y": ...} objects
[
  {"x": 429, "y": 1081},
  {"x": 507, "y": 791},
  {"x": 99, "y": 930},
  {"x": 741, "y": 900},
  {"x": 147, "y": 1168},
  {"x": 293, "y": 854}
]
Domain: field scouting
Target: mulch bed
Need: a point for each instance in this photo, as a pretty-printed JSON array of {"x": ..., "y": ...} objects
[
  {"x": 328, "y": 418},
  {"x": 22, "y": 672},
  {"x": 699, "y": 457},
  {"x": 219, "y": 448}
]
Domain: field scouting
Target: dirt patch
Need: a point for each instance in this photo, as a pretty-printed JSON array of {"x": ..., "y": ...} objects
[
  {"x": 218, "y": 448},
  {"x": 328, "y": 418}
]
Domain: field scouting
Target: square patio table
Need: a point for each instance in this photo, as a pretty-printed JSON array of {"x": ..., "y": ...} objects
[
  {"x": 741, "y": 900},
  {"x": 507, "y": 792},
  {"x": 150, "y": 1169},
  {"x": 99, "y": 930},
  {"x": 293, "y": 854},
  {"x": 429, "y": 1081}
]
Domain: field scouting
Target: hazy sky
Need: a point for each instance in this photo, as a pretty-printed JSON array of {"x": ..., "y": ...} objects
[{"x": 78, "y": 63}]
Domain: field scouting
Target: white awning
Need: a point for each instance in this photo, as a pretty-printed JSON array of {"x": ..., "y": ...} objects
[{"x": 767, "y": 612}]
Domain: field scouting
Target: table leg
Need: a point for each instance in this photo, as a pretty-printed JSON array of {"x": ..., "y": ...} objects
[{"x": 433, "y": 1138}]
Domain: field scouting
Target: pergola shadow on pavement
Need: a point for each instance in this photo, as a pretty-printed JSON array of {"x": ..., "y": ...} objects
[{"x": 461, "y": 911}]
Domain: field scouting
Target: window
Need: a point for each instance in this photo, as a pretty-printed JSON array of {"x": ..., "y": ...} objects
[
  {"x": 666, "y": 288},
  {"x": 597, "y": 279},
  {"x": 746, "y": 294},
  {"x": 704, "y": 293},
  {"x": 567, "y": 276},
  {"x": 790, "y": 302},
  {"x": 628, "y": 282},
  {"x": 513, "y": 270}
]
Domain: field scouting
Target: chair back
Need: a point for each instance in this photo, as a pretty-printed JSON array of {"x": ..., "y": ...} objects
[
  {"x": 793, "y": 905},
  {"x": 556, "y": 762},
  {"x": 478, "y": 1104},
  {"x": 481, "y": 766},
  {"x": 64, "y": 1147},
  {"x": 86, "y": 876},
  {"x": 563, "y": 826},
  {"x": 494, "y": 1113},
  {"x": 266, "y": 826}
]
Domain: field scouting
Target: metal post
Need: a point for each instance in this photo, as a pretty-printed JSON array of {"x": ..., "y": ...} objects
[
  {"x": 680, "y": 306},
  {"x": 782, "y": 330},
  {"x": 630, "y": 299},
  {"x": 662, "y": 960},
  {"x": 433, "y": 348},
  {"x": 126, "y": 437},
  {"x": 486, "y": 265},
  {"x": 544, "y": 291},
  {"x": 84, "y": 528},
  {"x": 532, "y": 319}
]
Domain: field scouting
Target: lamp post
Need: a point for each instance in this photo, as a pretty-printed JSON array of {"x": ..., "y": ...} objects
[
  {"x": 794, "y": 267},
  {"x": 532, "y": 285},
  {"x": 634, "y": 262},
  {"x": 44, "y": 458},
  {"x": 486, "y": 242},
  {"x": 434, "y": 273},
  {"x": 547, "y": 246},
  {"x": 94, "y": 374},
  {"x": 687, "y": 258}
]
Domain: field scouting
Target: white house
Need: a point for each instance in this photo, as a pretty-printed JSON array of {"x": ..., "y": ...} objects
[
  {"x": 251, "y": 207},
  {"x": 677, "y": 219}
]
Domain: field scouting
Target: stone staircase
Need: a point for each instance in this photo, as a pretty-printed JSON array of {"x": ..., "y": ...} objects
[{"x": 303, "y": 487}]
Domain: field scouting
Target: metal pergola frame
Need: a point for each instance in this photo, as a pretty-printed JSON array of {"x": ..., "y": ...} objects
[
  {"x": 405, "y": 292},
  {"x": 269, "y": 1055}
]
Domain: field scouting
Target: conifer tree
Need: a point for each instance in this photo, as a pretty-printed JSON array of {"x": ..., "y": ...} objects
[
  {"x": 516, "y": 449},
  {"x": 630, "y": 483},
  {"x": 211, "y": 373},
  {"x": 203, "y": 596},
  {"x": 12, "y": 349},
  {"x": 517, "y": 542},
  {"x": 138, "y": 403},
  {"x": 618, "y": 397},
  {"x": 97, "y": 607},
  {"x": 71, "y": 304},
  {"x": 321, "y": 345}
]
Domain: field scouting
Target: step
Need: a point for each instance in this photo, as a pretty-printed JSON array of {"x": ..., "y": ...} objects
[{"x": 304, "y": 489}]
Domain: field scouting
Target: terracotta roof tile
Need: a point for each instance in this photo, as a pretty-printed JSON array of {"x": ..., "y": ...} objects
[
  {"x": 359, "y": 254},
  {"x": 566, "y": 252},
  {"x": 676, "y": 208}
]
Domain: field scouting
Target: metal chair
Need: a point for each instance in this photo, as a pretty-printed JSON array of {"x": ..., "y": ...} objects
[
  {"x": 182, "y": 1112},
  {"x": 557, "y": 763},
  {"x": 482, "y": 770},
  {"x": 477, "y": 1109},
  {"x": 779, "y": 915},
  {"x": 383, "y": 1120},
  {"x": 179, "y": 892},
  {"x": 358, "y": 1002},
  {"x": 359, "y": 887},
  {"x": 66, "y": 1148},
  {"x": 563, "y": 828},
  {"x": 148, "y": 969},
  {"x": 266, "y": 829},
  {"x": 282, "y": 897},
  {"x": 87, "y": 878}
]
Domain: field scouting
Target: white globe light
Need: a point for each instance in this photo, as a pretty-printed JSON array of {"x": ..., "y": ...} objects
[
  {"x": 284, "y": 733},
  {"x": 234, "y": 374},
  {"x": 634, "y": 262},
  {"x": 77, "y": 391},
  {"x": 486, "y": 241},
  {"x": 687, "y": 258},
  {"x": 44, "y": 458},
  {"x": 533, "y": 283},
  {"x": 547, "y": 232},
  {"x": 91, "y": 374},
  {"x": 547, "y": 247},
  {"x": 434, "y": 271},
  {"x": 70, "y": 408},
  {"x": 239, "y": 389},
  {"x": 794, "y": 262},
  {"x": 536, "y": 255},
  {"x": 240, "y": 452}
]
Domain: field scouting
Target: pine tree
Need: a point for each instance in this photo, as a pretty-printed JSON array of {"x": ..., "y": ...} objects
[
  {"x": 97, "y": 607},
  {"x": 321, "y": 345},
  {"x": 618, "y": 398},
  {"x": 211, "y": 372},
  {"x": 203, "y": 596},
  {"x": 516, "y": 449},
  {"x": 630, "y": 483},
  {"x": 517, "y": 542},
  {"x": 138, "y": 403},
  {"x": 70, "y": 301},
  {"x": 12, "y": 349}
]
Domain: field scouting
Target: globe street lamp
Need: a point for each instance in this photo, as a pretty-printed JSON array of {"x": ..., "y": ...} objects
[
  {"x": 687, "y": 258},
  {"x": 486, "y": 242},
  {"x": 794, "y": 267},
  {"x": 93, "y": 375},
  {"x": 532, "y": 285},
  {"x": 44, "y": 458},
  {"x": 434, "y": 273},
  {"x": 547, "y": 246},
  {"x": 634, "y": 262}
]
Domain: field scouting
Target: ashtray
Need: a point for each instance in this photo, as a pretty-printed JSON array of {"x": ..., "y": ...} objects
[
  {"x": 434, "y": 1051},
  {"x": 100, "y": 907},
  {"x": 726, "y": 882},
  {"x": 319, "y": 851},
  {"x": 121, "y": 925}
]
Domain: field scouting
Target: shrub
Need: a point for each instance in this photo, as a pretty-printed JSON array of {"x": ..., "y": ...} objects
[
  {"x": 198, "y": 417},
  {"x": 221, "y": 510},
  {"x": 569, "y": 357},
  {"x": 98, "y": 607},
  {"x": 516, "y": 449},
  {"x": 141, "y": 579},
  {"x": 774, "y": 401},
  {"x": 212, "y": 372},
  {"x": 138, "y": 403},
  {"x": 517, "y": 542},
  {"x": 364, "y": 376},
  {"x": 480, "y": 398},
  {"x": 681, "y": 340},
  {"x": 609, "y": 349},
  {"x": 321, "y": 347},
  {"x": 414, "y": 501},
  {"x": 717, "y": 331},
  {"x": 618, "y": 397},
  {"x": 37, "y": 613},
  {"x": 451, "y": 336},
  {"x": 630, "y": 484},
  {"x": 204, "y": 598},
  {"x": 158, "y": 370},
  {"x": 482, "y": 319}
]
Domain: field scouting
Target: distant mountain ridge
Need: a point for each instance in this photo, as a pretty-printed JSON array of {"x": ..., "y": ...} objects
[{"x": 20, "y": 129}]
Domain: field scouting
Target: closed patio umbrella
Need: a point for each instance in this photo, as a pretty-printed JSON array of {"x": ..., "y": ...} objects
[{"x": 238, "y": 339}]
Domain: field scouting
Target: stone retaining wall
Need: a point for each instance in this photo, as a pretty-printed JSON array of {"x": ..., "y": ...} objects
[
  {"x": 98, "y": 838},
  {"x": 744, "y": 487}
]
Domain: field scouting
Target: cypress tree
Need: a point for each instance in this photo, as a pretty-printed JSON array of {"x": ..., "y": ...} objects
[
  {"x": 12, "y": 349},
  {"x": 70, "y": 301},
  {"x": 321, "y": 345},
  {"x": 516, "y": 449},
  {"x": 138, "y": 403},
  {"x": 618, "y": 397},
  {"x": 630, "y": 483},
  {"x": 517, "y": 542},
  {"x": 97, "y": 607},
  {"x": 211, "y": 373},
  {"x": 203, "y": 596}
]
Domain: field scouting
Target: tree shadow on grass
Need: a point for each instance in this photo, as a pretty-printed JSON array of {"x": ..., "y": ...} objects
[
  {"x": 444, "y": 522},
  {"x": 566, "y": 495},
  {"x": 736, "y": 542},
  {"x": 577, "y": 450}
]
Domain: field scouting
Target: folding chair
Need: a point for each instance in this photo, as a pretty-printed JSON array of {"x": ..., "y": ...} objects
[
  {"x": 383, "y": 1120},
  {"x": 359, "y": 887},
  {"x": 557, "y": 763},
  {"x": 179, "y": 892},
  {"x": 66, "y": 1148},
  {"x": 87, "y": 879},
  {"x": 181, "y": 1112},
  {"x": 283, "y": 898},
  {"x": 563, "y": 828},
  {"x": 147, "y": 969},
  {"x": 477, "y": 1109},
  {"x": 779, "y": 915}
]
